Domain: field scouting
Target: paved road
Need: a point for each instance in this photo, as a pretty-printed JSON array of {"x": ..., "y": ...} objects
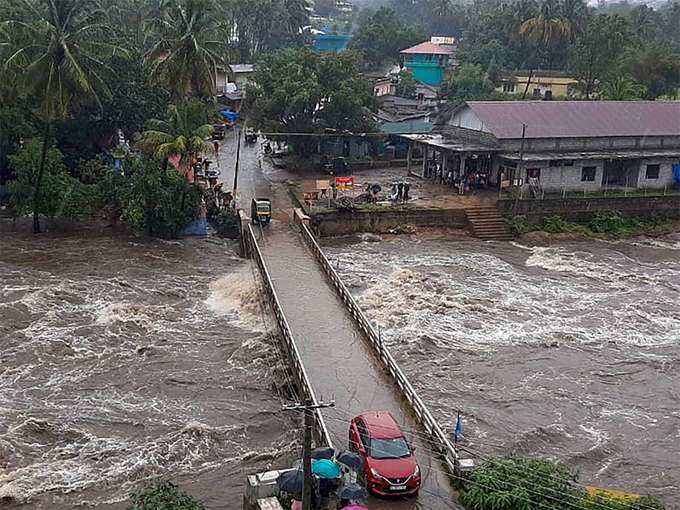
[{"x": 339, "y": 361}]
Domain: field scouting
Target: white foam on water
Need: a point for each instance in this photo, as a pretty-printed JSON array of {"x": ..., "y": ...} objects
[{"x": 236, "y": 297}]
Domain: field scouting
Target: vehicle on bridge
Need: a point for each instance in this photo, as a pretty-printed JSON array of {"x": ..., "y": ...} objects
[
  {"x": 390, "y": 468},
  {"x": 261, "y": 211}
]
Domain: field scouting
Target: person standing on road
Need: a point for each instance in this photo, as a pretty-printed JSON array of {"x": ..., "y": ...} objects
[{"x": 216, "y": 146}]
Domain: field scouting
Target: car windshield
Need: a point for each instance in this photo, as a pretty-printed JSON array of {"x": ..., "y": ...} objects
[{"x": 389, "y": 448}]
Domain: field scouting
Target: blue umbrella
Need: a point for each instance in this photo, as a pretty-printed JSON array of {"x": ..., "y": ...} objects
[
  {"x": 350, "y": 459},
  {"x": 291, "y": 481},
  {"x": 324, "y": 468}
]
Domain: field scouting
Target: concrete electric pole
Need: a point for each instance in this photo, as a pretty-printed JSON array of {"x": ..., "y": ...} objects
[{"x": 308, "y": 408}]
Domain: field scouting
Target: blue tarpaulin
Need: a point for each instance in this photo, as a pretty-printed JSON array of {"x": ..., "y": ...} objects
[
  {"x": 676, "y": 172},
  {"x": 198, "y": 227},
  {"x": 229, "y": 115}
]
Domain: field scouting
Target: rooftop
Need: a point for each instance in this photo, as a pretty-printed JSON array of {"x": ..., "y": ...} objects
[
  {"x": 427, "y": 48},
  {"x": 572, "y": 119},
  {"x": 242, "y": 68},
  {"x": 381, "y": 425}
]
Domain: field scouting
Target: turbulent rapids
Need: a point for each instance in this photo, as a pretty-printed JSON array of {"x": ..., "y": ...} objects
[
  {"x": 569, "y": 351},
  {"x": 124, "y": 360}
]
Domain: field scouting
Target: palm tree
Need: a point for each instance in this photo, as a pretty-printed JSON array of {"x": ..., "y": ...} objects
[
  {"x": 183, "y": 135},
  {"x": 54, "y": 51},
  {"x": 623, "y": 88},
  {"x": 191, "y": 47},
  {"x": 546, "y": 31}
]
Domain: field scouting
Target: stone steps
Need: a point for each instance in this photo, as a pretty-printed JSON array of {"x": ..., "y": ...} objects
[{"x": 488, "y": 224}]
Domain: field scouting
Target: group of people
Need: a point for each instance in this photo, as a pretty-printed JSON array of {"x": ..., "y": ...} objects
[
  {"x": 472, "y": 180},
  {"x": 400, "y": 192}
]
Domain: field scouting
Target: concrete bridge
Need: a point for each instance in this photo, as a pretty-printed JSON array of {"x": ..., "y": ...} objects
[{"x": 334, "y": 351}]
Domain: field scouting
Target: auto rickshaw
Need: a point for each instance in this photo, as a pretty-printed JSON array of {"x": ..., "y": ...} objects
[{"x": 261, "y": 211}]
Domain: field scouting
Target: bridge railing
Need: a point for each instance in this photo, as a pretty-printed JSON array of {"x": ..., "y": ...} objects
[
  {"x": 440, "y": 441},
  {"x": 302, "y": 380}
]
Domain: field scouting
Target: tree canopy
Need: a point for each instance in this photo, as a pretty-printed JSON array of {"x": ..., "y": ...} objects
[{"x": 303, "y": 91}]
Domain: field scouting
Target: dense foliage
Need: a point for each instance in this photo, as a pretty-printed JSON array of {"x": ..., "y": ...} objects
[
  {"x": 519, "y": 483},
  {"x": 164, "y": 495},
  {"x": 596, "y": 46},
  {"x": 303, "y": 91},
  {"x": 381, "y": 36}
]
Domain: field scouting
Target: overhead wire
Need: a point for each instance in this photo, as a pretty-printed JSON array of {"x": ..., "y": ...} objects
[{"x": 536, "y": 486}]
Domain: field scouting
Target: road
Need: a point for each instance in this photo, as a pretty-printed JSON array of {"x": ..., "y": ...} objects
[{"x": 339, "y": 361}]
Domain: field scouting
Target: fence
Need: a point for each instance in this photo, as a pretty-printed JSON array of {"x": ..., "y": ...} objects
[
  {"x": 440, "y": 442},
  {"x": 253, "y": 251}
]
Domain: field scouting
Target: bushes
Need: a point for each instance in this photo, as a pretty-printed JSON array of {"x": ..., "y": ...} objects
[
  {"x": 520, "y": 483},
  {"x": 610, "y": 223},
  {"x": 164, "y": 495}
]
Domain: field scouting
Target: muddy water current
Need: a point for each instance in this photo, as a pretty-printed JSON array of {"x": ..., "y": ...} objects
[
  {"x": 569, "y": 351},
  {"x": 125, "y": 359}
]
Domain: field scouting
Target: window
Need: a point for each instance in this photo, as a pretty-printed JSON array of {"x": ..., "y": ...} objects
[
  {"x": 363, "y": 433},
  {"x": 396, "y": 448},
  {"x": 533, "y": 173},
  {"x": 652, "y": 172},
  {"x": 588, "y": 174},
  {"x": 508, "y": 87},
  {"x": 567, "y": 162},
  {"x": 555, "y": 162}
]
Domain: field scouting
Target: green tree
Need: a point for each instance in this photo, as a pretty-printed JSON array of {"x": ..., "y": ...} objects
[
  {"x": 548, "y": 30},
  {"x": 164, "y": 495},
  {"x": 654, "y": 67},
  {"x": 597, "y": 51},
  {"x": 622, "y": 88},
  {"x": 469, "y": 83},
  {"x": 61, "y": 195},
  {"x": 156, "y": 200},
  {"x": 191, "y": 46},
  {"x": 382, "y": 36},
  {"x": 407, "y": 85},
  {"x": 184, "y": 134},
  {"x": 303, "y": 91},
  {"x": 55, "y": 53}
]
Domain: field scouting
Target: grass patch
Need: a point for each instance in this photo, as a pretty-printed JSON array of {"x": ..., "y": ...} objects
[{"x": 603, "y": 224}]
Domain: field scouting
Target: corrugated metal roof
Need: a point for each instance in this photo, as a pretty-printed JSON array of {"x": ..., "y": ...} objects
[
  {"x": 428, "y": 48},
  {"x": 568, "y": 119},
  {"x": 393, "y": 128}
]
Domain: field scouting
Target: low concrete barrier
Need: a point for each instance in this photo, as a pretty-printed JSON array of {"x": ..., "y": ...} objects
[
  {"x": 302, "y": 380},
  {"x": 440, "y": 442}
]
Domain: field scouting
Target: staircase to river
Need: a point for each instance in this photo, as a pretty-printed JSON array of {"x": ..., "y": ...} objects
[{"x": 488, "y": 224}]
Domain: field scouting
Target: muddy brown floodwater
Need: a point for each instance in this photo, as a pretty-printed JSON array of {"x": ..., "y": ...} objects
[
  {"x": 126, "y": 359},
  {"x": 569, "y": 351}
]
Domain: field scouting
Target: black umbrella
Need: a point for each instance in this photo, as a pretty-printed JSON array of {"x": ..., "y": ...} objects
[
  {"x": 353, "y": 492},
  {"x": 351, "y": 460},
  {"x": 291, "y": 481},
  {"x": 323, "y": 452}
]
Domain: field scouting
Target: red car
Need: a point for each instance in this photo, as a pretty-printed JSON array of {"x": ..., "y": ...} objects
[{"x": 390, "y": 467}]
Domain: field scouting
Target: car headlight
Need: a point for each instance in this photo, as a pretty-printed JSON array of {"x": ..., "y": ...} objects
[
  {"x": 416, "y": 471},
  {"x": 375, "y": 473}
]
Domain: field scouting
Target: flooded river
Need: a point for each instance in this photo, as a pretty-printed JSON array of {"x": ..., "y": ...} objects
[
  {"x": 125, "y": 359},
  {"x": 569, "y": 351}
]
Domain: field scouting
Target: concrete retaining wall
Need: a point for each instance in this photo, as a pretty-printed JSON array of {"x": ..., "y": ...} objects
[
  {"x": 583, "y": 209},
  {"x": 381, "y": 221}
]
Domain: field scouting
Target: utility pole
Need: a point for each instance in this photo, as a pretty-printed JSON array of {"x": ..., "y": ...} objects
[
  {"x": 308, "y": 408},
  {"x": 238, "y": 156}
]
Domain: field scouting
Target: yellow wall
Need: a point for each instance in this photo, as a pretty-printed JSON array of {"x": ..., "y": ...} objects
[{"x": 558, "y": 85}]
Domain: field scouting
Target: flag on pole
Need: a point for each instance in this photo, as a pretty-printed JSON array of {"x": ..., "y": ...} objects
[{"x": 458, "y": 431}]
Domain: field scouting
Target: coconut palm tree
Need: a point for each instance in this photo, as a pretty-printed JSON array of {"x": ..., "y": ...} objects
[
  {"x": 191, "y": 46},
  {"x": 183, "y": 135},
  {"x": 623, "y": 88},
  {"x": 546, "y": 31},
  {"x": 54, "y": 51}
]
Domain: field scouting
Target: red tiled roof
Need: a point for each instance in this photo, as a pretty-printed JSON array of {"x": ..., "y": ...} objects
[
  {"x": 565, "y": 119},
  {"x": 428, "y": 48}
]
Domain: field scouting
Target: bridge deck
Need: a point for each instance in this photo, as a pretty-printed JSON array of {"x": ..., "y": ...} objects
[{"x": 339, "y": 362}]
